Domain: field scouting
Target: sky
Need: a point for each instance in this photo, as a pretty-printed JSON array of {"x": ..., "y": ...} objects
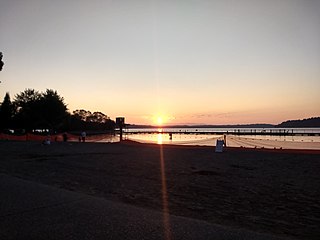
[{"x": 169, "y": 62}]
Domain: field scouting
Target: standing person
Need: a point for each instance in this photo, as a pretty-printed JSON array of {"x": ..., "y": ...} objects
[
  {"x": 83, "y": 136},
  {"x": 47, "y": 140},
  {"x": 65, "y": 137}
]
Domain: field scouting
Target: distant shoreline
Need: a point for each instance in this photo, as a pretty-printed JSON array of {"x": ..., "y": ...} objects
[
  {"x": 305, "y": 123},
  {"x": 202, "y": 126}
]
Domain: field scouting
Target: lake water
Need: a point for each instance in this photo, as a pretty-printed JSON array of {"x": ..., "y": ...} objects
[{"x": 209, "y": 136}]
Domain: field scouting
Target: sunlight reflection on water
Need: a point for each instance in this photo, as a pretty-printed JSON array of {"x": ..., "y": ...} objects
[
  {"x": 159, "y": 138},
  {"x": 288, "y": 142}
]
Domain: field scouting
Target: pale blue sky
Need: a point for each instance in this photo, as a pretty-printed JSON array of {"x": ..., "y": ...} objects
[{"x": 211, "y": 62}]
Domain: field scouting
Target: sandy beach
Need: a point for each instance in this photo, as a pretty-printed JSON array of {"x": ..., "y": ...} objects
[{"x": 268, "y": 191}]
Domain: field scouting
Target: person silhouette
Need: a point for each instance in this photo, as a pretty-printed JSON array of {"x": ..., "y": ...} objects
[{"x": 83, "y": 136}]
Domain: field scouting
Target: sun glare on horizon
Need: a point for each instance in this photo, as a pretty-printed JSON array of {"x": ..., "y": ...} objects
[
  {"x": 159, "y": 120},
  {"x": 162, "y": 119}
]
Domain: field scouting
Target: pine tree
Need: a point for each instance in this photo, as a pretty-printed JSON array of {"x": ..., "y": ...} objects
[{"x": 6, "y": 112}]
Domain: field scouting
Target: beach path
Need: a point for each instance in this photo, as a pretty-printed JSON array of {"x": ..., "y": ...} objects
[{"x": 30, "y": 210}]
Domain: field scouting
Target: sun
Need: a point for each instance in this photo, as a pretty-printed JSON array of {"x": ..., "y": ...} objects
[{"x": 159, "y": 120}]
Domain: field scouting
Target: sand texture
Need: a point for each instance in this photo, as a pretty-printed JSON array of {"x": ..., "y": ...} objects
[{"x": 268, "y": 191}]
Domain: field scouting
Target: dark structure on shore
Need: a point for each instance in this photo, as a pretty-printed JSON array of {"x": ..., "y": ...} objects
[
  {"x": 1, "y": 62},
  {"x": 121, "y": 124}
]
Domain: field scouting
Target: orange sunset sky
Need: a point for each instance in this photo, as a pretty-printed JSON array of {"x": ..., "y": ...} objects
[{"x": 169, "y": 62}]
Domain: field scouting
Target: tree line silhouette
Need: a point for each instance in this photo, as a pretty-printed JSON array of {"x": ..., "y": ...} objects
[
  {"x": 32, "y": 110},
  {"x": 304, "y": 123}
]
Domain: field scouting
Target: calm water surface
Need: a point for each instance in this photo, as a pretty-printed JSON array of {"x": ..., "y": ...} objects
[{"x": 208, "y": 136}]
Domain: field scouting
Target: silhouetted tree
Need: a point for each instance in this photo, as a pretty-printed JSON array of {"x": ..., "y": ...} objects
[
  {"x": 27, "y": 109},
  {"x": 40, "y": 110},
  {"x": 26, "y": 98},
  {"x": 83, "y": 119},
  {"x": 53, "y": 110},
  {"x": 308, "y": 122},
  {"x": 6, "y": 113},
  {"x": 97, "y": 117},
  {"x": 34, "y": 110},
  {"x": 82, "y": 114},
  {"x": 1, "y": 62}
]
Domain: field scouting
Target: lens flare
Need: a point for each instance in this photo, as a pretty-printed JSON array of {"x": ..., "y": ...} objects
[{"x": 165, "y": 204}]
